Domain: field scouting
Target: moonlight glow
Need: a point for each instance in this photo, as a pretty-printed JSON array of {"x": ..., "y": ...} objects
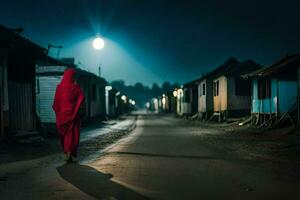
[{"x": 98, "y": 43}]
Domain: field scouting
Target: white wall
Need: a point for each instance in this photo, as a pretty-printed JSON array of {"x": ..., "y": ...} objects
[{"x": 220, "y": 101}]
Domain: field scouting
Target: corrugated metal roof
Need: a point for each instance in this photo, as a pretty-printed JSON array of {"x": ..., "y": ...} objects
[
  {"x": 220, "y": 69},
  {"x": 9, "y": 39},
  {"x": 279, "y": 65},
  {"x": 50, "y": 69}
]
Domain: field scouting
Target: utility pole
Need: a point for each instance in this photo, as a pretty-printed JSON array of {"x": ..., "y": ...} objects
[{"x": 99, "y": 70}]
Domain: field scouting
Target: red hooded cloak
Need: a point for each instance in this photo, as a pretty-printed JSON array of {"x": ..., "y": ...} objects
[{"x": 67, "y": 101}]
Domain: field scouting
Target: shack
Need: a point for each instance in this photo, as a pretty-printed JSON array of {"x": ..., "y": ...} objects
[
  {"x": 93, "y": 87},
  {"x": 112, "y": 104},
  {"x": 205, "y": 88},
  {"x": 47, "y": 79},
  {"x": 275, "y": 96},
  {"x": 190, "y": 98},
  {"x": 18, "y": 59},
  {"x": 232, "y": 93},
  {"x": 171, "y": 102},
  {"x": 181, "y": 102}
]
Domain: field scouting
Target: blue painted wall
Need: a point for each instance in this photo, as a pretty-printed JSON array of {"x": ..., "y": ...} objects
[
  {"x": 287, "y": 95},
  {"x": 284, "y": 99}
]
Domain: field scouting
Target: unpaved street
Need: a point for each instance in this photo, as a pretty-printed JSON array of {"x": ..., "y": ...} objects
[{"x": 163, "y": 158}]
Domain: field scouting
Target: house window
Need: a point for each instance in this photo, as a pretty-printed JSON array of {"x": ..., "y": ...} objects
[
  {"x": 203, "y": 89},
  {"x": 216, "y": 88},
  {"x": 242, "y": 87},
  {"x": 94, "y": 92},
  {"x": 264, "y": 88}
]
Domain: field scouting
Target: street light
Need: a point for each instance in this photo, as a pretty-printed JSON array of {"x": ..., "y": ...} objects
[{"x": 98, "y": 43}]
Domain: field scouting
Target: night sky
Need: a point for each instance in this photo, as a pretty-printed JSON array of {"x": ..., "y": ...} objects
[{"x": 155, "y": 41}]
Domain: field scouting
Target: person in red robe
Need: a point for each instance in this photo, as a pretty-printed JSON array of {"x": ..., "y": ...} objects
[{"x": 68, "y": 101}]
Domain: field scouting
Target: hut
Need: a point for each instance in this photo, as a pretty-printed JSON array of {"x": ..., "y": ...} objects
[
  {"x": 93, "y": 87},
  {"x": 171, "y": 102},
  {"x": 48, "y": 77},
  {"x": 275, "y": 92},
  {"x": 205, "y": 97},
  {"x": 18, "y": 58},
  {"x": 232, "y": 93},
  {"x": 153, "y": 106},
  {"x": 190, "y": 98},
  {"x": 163, "y": 103},
  {"x": 112, "y": 103},
  {"x": 206, "y": 89},
  {"x": 181, "y": 102}
]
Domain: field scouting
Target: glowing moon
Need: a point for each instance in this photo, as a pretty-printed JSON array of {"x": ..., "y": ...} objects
[{"x": 98, "y": 43}]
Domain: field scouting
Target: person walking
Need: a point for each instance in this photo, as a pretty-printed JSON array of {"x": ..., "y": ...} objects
[{"x": 68, "y": 102}]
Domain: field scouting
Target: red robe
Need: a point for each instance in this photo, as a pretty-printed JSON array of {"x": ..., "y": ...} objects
[{"x": 67, "y": 101}]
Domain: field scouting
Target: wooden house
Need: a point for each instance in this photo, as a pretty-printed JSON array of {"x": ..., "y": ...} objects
[
  {"x": 232, "y": 93},
  {"x": 275, "y": 92},
  {"x": 206, "y": 88}
]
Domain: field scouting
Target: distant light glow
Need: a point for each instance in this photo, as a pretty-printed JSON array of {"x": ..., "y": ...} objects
[
  {"x": 133, "y": 102},
  {"x": 148, "y": 105},
  {"x": 175, "y": 93},
  {"x": 108, "y": 87},
  {"x": 123, "y": 97},
  {"x": 98, "y": 43},
  {"x": 164, "y": 101}
]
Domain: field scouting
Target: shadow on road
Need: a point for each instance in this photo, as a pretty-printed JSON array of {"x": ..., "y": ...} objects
[{"x": 95, "y": 183}]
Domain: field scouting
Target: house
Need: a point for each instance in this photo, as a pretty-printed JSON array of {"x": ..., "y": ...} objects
[
  {"x": 181, "y": 102},
  {"x": 93, "y": 88},
  {"x": 205, "y": 88},
  {"x": 113, "y": 105},
  {"x": 18, "y": 59},
  {"x": 275, "y": 92},
  {"x": 232, "y": 93},
  {"x": 47, "y": 79},
  {"x": 184, "y": 100},
  {"x": 163, "y": 103},
  {"x": 205, "y": 97},
  {"x": 171, "y": 102},
  {"x": 190, "y": 98},
  {"x": 153, "y": 106}
]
